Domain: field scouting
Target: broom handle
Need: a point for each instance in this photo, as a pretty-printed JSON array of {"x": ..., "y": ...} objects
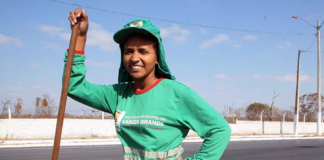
[{"x": 66, "y": 81}]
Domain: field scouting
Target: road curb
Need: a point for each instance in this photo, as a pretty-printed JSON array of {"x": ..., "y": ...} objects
[{"x": 85, "y": 142}]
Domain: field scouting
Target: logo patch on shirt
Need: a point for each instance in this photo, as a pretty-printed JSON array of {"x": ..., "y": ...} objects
[
  {"x": 118, "y": 117},
  {"x": 137, "y": 24}
]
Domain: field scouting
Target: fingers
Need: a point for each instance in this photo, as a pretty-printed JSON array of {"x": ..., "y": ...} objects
[
  {"x": 84, "y": 15},
  {"x": 71, "y": 21},
  {"x": 72, "y": 18},
  {"x": 77, "y": 12},
  {"x": 77, "y": 15}
]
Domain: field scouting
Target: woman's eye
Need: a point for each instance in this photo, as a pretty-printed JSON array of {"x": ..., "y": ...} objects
[
  {"x": 143, "y": 51},
  {"x": 127, "y": 52}
]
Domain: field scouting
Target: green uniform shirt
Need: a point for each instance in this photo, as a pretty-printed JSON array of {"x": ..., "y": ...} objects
[{"x": 152, "y": 123}]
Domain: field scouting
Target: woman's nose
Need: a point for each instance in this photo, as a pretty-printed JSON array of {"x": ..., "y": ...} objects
[{"x": 135, "y": 57}]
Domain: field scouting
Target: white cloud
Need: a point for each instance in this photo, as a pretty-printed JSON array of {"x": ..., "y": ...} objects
[
  {"x": 175, "y": 33},
  {"x": 89, "y": 62},
  {"x": 189, "y": 84},
  {"x": 284, "y": 44},
  {"x": 13, "y": 89},
  {"x": 50, "y": 29},
  {"x": 216, "y": 40},
  {"x": 65, "y": 36},
  {"x": 91, "y": 81},
  {"x": 221, "y": 76},
  {"x": 35, "y": 65},
  {"x": 258, "y": 76},
  {"x": 237, "y": 46},
  {"x": 250, "y": 38},
  {"x": 10, "y": 40},
  {"x": 226, "y": 88},
  {"x": 13, "y": 94},
  {"x": 96, "y": 36},
  {"x": 284, "y": 78},
  {"x": 7, "y": 64},
  {"x": 202, "y": 30},
  {"x": 287, "y": 43},
  {"x": 55, "y": 31},
  {"x": 38, "y": 87},
  {"x": 252, "y": 76},
  {"x": 50, "y": 45},
  {"x": 292, "y": 78},
  {"x": 223, "y": 94},
  {"x": 280, "y": 46}
]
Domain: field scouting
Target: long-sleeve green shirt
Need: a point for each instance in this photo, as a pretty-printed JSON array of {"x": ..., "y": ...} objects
[{"x": 152, "y": 123}]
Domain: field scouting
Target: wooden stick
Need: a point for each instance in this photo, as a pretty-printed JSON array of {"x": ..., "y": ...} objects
[{"x": 66, "y": 81}]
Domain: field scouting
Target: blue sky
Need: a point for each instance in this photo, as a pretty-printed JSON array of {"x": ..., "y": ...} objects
[{"x": 224, "y": 66}]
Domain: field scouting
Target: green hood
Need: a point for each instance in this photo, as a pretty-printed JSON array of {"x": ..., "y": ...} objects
[{"x": 142, "y": 26}]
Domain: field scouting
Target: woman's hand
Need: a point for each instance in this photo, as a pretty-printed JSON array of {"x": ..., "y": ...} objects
[{"x": 79, "y": 16}]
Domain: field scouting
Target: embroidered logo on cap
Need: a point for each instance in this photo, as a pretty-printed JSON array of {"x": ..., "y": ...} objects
[{"x": 137, "y": 24}]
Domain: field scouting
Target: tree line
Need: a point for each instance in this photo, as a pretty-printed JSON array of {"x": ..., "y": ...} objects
[
  {"x": 44, "y": 107},
  {"x": 252, "y": 112}
]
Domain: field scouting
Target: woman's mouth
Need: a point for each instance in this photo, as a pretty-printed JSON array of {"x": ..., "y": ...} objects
[{"x": 136, "y": 67}]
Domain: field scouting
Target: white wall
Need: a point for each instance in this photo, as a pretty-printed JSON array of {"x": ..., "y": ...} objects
[
  {"x": 92, "y": 128},
  {"x": 256, "y": 127},
  {"x": 45, "y": 128}
]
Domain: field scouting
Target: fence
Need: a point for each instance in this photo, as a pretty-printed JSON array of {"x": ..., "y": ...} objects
[{"x": 104, "y": 128}]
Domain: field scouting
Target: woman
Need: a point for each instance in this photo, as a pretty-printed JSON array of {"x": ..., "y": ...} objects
[{"x": 153, "y": 112}]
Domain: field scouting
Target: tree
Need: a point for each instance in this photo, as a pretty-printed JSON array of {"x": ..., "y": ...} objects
[
  {"x": 254, "y": 110},
  {"x": 45, "y": 107},
  {"x": 230, "y": 111},
  {"x": 96, "y": 113},
  {"x": 275, "y": 114},
  {"x": 272, "y": 105},
  {"x": 4, "y": 108},
  {"x": 308, "y": 106},
  {"x": 38, "y": 100},
  {"x": 45, "y": 100},
  {"x": 289, "y": 113},
  {"x": 18, "y": 107}
]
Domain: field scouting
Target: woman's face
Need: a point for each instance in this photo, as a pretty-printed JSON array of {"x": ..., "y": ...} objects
[{"x": 139, "y": 57}]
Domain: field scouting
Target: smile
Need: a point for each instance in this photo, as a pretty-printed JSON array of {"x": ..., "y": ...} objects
[{"x": 137, "y": 67}]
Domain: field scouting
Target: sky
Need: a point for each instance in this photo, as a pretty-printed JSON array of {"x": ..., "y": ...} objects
[{"x": 230, "y": 52}]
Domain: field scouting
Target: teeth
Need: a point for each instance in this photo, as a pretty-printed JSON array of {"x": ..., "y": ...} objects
[{"x": 136, "y": 67}]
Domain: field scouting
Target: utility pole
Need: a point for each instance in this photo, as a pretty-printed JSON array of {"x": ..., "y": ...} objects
[
  {"x": 319, "y": 95},
  {"x": 296, "y": 117}
]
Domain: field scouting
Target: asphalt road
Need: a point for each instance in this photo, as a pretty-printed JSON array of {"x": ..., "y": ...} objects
[{"x": 239, "y": 150}]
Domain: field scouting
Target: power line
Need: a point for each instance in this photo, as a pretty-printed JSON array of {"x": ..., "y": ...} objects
[
  {"x": 311, "y": 44},
  {"x": 190, "y": 24},
  {"x": 312, "y": 51}
]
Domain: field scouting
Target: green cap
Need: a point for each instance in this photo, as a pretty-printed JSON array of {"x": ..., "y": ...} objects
[{"x": 136, "y": 26}]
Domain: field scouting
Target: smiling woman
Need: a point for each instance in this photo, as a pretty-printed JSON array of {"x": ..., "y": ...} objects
[
  {"x": 153, "y": 112},
  {"x": 140, "y": 58}
]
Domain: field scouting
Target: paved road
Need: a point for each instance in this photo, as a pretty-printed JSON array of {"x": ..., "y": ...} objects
[{"x": 239, "y": 150}]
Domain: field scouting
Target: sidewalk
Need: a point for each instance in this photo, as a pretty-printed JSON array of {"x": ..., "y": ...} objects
[{"x": 82, "y": 142}]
